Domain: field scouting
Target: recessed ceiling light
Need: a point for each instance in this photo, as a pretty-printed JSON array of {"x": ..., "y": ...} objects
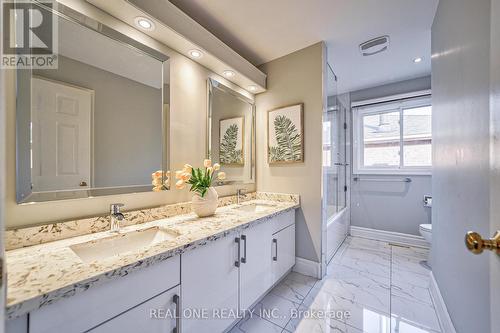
[
  {"x": 417, "y": 60},
  {"x": 229, "y": 73},
  {"x": 252, "y": 88},
  {"x": 144, "y": 23},
  {"x": 195, "y": 53}
]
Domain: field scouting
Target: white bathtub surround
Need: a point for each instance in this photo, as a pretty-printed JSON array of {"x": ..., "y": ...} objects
[
  {"x": 383, "y": 287},
  {"x": 337, "y": 229},
  {"x": 41, "y": 274}
]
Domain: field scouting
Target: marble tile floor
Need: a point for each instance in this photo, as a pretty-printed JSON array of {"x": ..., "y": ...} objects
[{"x": 370, "y": 287}]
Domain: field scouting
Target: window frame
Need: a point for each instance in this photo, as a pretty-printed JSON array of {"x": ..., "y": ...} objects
[{"x": 380, "y": 108}]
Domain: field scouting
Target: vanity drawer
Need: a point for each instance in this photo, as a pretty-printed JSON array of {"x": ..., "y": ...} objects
[
  {"x": 283, "y": 220},
  {"x": 157, "y": 315},
  {"x": 96, "y": 305}
]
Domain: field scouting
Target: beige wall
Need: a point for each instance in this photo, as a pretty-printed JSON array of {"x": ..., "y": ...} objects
[
  {"x": 188, "y": 110},
  {"x": 296, "y": 78}
]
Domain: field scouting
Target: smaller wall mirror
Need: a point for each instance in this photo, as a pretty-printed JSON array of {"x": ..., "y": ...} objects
[{"x": 231, "y": 133}]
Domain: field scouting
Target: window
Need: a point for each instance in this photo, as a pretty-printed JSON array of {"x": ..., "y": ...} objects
[{"x": 393, "y": 137}]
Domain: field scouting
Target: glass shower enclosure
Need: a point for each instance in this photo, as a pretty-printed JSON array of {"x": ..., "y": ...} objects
[{"x": 335, "y": 173}]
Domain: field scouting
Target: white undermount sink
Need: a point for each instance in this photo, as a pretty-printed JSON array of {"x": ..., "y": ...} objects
[
  {"x": 254, "y": 207},
  {"x": 120, "y": 243}
]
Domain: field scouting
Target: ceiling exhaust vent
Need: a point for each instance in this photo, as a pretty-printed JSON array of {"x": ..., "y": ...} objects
[{"x": 374, "y": 46}]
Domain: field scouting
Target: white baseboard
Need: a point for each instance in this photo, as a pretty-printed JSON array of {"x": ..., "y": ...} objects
[
  {"x": 389, "y": 236},
  {"x": 440, "y": 306},
  {"x": 307, "y": 267}
]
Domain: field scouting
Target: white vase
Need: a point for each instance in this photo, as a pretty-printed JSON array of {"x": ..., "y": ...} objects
[{"x": 206, "y": 205}]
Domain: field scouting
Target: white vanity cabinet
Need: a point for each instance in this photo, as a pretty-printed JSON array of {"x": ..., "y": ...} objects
[
  {"x": 283, "y": 252},
  {"x": 208, "y": 286},
  {"x": 255, "y": 264},
  {"x": 99, "y": 304},
  {"x": 209, "y": 277},
  {"x": 232, "y": 273}
]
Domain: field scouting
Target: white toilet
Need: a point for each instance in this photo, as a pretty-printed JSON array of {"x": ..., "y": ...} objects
[{"x": 426, "y": 232}]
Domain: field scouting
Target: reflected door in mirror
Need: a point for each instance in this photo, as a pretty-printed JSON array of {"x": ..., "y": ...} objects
[{"x": 61, "y": 136}]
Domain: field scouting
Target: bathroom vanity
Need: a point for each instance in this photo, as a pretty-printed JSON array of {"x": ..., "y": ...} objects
[
  {"x": 98, "y": 126},
  {"x": 209, "y": 270}
]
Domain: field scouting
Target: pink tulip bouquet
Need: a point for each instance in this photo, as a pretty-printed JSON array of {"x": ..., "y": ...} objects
[{"x": 200, "y": 179}]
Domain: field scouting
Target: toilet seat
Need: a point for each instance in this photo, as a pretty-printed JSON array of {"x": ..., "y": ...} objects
[
  {"x": 426, "y": 231},
  {"x": 426, "y": 227}
]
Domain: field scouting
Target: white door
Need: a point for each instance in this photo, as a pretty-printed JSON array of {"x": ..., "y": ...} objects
[
  {"x": 255, "y": 270},
  {"x": 495, "y": 163},
  {"x": 283, "y": 252},
  {"x": 209, "y": 284},
  {"x": 61, "y": 136},
  {"x": 158, "y": 315}
]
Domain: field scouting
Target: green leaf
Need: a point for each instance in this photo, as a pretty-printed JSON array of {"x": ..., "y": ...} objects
[
  {"x": 275, "y": 154},
  {"x": 228, "y": 154}
]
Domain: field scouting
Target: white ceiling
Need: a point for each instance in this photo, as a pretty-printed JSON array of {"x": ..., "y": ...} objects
[
  {"x": 263, "y": 30},
  {"x": 95, "y": 49}
]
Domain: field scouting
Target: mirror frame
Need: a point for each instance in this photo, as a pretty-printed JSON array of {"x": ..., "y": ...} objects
[
  {"x": 24, "y": 192},
  {"x": 214, "y": 84}
]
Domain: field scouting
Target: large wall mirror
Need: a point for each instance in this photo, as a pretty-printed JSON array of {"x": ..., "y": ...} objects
[
  {"x": 96, "y": 125},
  {"x": 231, "y": 133}
]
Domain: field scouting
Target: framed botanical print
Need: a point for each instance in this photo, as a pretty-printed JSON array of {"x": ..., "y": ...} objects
[
  {"x": 285, "y": 134},
  {"x": 231, "y": 141}
]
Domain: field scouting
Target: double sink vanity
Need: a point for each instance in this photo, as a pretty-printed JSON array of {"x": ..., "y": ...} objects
[
  {"x": 168, "y": 262},
  {"x": 101, "y": 124}
]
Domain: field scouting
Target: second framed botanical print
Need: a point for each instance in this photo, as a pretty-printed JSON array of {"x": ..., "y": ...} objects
[{"x": 285, "y": 135}]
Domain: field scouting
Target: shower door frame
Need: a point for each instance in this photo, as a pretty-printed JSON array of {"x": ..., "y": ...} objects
[{"x": 342, "y": 127}]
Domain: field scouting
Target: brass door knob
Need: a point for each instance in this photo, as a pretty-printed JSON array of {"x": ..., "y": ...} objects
[{"x": 476, "y": 244}]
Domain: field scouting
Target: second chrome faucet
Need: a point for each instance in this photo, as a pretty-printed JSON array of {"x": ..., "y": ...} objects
[
  {"x": 116, "y": 216},
  {"x": 239, "y": 194}
]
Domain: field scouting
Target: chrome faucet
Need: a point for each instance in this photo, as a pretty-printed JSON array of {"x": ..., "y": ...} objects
[
  {"x": 240, "y": 193},
  {"x": 116, "y": 216}
]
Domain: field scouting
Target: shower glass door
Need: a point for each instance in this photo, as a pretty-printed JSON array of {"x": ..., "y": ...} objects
[{"x": 334, "y": 152}]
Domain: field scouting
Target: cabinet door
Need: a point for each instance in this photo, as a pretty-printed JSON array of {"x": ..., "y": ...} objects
[
  {"x": 283, "y": 251},
  {"x": 255, "y": 270},
  {"x": 209, "y": 284},
  {"x": 158, "y": 315},
  {"x": 17, "y": 325}
]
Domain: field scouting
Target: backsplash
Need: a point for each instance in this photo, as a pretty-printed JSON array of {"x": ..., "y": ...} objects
[{"x": 23, "y": 237}]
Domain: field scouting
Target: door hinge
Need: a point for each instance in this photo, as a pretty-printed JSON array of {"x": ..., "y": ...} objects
[
  {"x": 345, "y": 188},
  {"x": 345, "y": 126}
]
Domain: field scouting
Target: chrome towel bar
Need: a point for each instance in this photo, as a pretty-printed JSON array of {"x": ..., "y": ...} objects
[{"x": 393, "y": 180}]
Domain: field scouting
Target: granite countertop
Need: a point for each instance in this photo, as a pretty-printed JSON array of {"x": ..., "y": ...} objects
[{"x": 42, "y": 274}]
